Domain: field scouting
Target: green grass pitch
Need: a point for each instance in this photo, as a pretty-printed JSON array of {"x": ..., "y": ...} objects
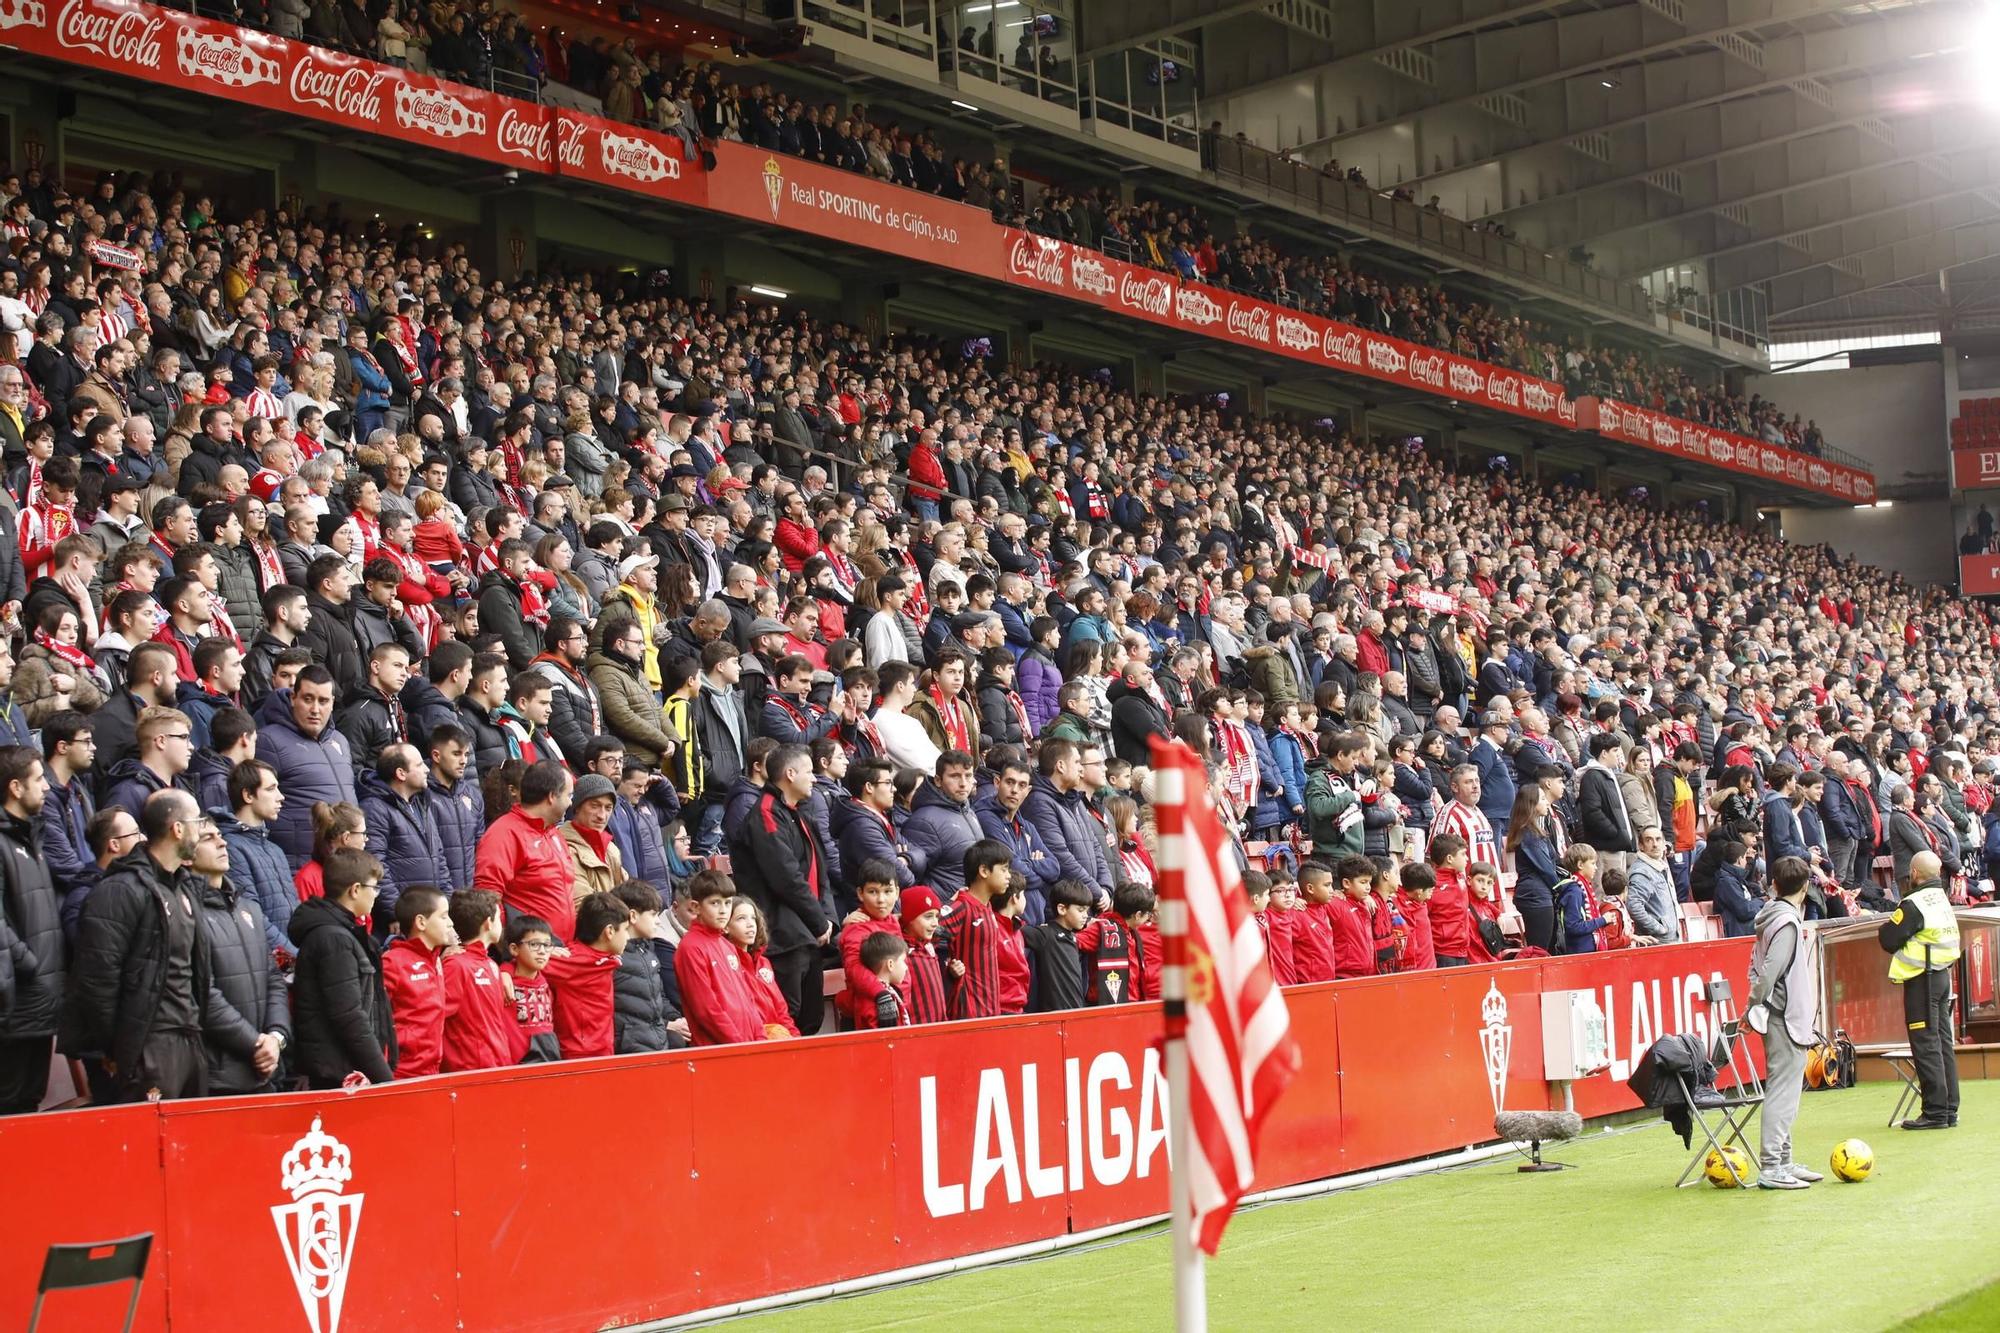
[{"x": 1610, "y": 1246}]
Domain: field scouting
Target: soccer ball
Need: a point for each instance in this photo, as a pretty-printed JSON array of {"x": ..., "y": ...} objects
[
  {"x": 1852, "y": 1160},
  {"x": 1727, "y": 1168}
]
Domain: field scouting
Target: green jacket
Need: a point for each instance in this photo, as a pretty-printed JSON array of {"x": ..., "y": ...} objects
[
  {"x": 1333, "y": 815},
  {"x": 1067, "y": 726}
]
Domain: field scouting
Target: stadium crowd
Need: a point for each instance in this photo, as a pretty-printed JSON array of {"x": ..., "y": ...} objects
[{"x": 409, "y": 671}]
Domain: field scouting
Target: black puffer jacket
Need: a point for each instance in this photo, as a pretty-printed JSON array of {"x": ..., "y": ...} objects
[
  {"x": 641, "y": 1009},
  {"x": 34, "y": 913},
  {"x": 250, "y": 987},
  {"x": 340, "y": 1011},
  {"x": 121, "y": 960},
  {"x": 404, "y": 838},
  {"x": 330, "y": 637}
]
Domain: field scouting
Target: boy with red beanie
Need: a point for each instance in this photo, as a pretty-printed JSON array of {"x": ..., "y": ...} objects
[
  {"x": 413, "y": 974},
  {"x": 878, "y": 893},
  {"x": 582, "y": 979},
  {"x": 919, "y": 912},
  {"x": 478, "y": 1022}
]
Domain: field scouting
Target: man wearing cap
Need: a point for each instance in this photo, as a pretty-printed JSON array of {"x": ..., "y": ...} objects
[
  {"x": 633, "y": 599},
  {"x": 767, "y": 645},
  {"x": 1496, "y": 775}
]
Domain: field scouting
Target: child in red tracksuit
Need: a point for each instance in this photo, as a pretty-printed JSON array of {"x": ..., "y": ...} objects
[
  {"x": 1414, "y": 952},
  {"x": 1013, "y": 949},
  {"x": 1114, "y": 956},
  {"x": 1382, "y": 920},
  {"x": 886, "y": 955},
  {"x": 531, "y": 942},
  {"x": 751, "y": 935},
  {"x": 478, "y": 1018},
  {"x": 413, "y": 974},
  {"x": 582, "y": 980},
  {"x": 1283, "y": 915},
  {"x": 878, "y": 893},
  {"x": 1257, "y": 888},
  {"x": 1312, "y": 927},
  {"x": 1352, "y": 917},
  {"x": 1453, "y": 936},
  {"x": 718, "y": 996},
  {"x": 919, "y": 913}
]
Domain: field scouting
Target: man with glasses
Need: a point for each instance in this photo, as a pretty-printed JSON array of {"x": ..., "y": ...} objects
[
  {"x": 165, "y": 750},
  {"x": 576, "y": 713},
  {"x": 142, "y": 965}
]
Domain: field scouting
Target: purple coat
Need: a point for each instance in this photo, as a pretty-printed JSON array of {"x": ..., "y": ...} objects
[{"x": 1039, "y": 682}]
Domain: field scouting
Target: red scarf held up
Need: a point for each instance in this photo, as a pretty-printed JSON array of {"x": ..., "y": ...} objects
[{"x": 68, "y": 652}]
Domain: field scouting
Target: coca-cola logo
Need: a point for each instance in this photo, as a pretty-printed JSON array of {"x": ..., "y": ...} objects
[
  {"x": 436, "y": 113},
  {"x": 1504, "y": 390},
  {"x": 1384, "y": 358},
  {"x": 637, "y": 159},
  {"x": 1152, "y": 295},
  {"x": 353, "y": 91},
  {"x": 23, "y": 14},
  {"x": 1428, "y": 368},
  {"x": 127, "y": 37},
  {"x": 1843, "y": 483},
  {"x": 1722, "y": 449},
  {"x": 1089, "y": 276},
  {"x": 1772, "y": 462},
  {"x": 1565, "y": 410},
  {"x": 1193, "y": 306},
  {"x": 1465, "y": 380},
  {"x": 569, "y": 143},
  {"x": 1695, "y": 441},
  {"x": 1038, "y": 259},
  {"x": 1343, "y": 347},
  {"x": 1817, "y": 474},
  {"x": 223, "y": 59},
  {"x": 1795, "y": 469},
  {"x": 1250, "y": 321},
  {"x": 523, "y": 136},
  {"x": 1296, "y": 334},
  {"x": 1864, "y": 488}
]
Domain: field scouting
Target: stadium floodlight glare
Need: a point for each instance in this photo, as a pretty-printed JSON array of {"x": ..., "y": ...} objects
[
  {"x": 997, "y": 4},
  {"x": 771, "y": 292},
  {"x": 963, "y": 105}
]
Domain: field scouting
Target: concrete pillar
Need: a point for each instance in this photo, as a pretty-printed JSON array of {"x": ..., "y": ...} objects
[
  {"x": 1531, "y": 458},
  {"x": 509, "y": 233}
]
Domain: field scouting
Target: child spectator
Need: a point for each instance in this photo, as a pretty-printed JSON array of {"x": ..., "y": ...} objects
[
  {"x": 1735, "y": 901},
  {"x": 876, "y": 887},
  {"x": 413, "y": 974},
  {"x": 972, "y": 932},
  {"x": 340, "y": 1012},
  {"x": 1055, "y": 968},
  {"x": 478, "y": 1029},
  {"x": 1014, "y": 977},
  {"x": 1257, "y": 888},
  {"x": 1312, "y": 935},
  {"x": 886, "y": 955},
  {"x": 1577, "y": 910},
  {"x": 581, "y": 978},
  {"x": 716, "y": 992},
  {"x": 531, "y": 942},
  {"x": 1351, "y": 917},
  {"x": 751, "y": 934},
  {"x": 1617, "y": 926},
  {"x": 642, "y": 1018},
  {"x": 1454, "y": 934},
  {"x": 1414, "y": 949},
  {"x": 1283, "y": 915},
  {"x": 1382, "y": 917},
  {"x": 1114, "y": 959},
  {"x": 1482, "y": 896},
  {"x": 920, "y": 913}
]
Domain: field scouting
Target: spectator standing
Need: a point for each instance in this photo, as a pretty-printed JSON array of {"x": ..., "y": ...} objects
[
  {"x": 340, "y": 1007},
  {"x": 314, "y": 762},
  {"x": 257, "y": 866},
  {"x": 780, "y": 866},
  {"x": 251, "y": 1025},
  {"x": 479, "y": 1018},
  {"x": 64, "y": 821},
  {"x": 413, "y": 977},
  {"x": 34, "y": 920},
  {"x": 402, "y": 835},
  {"x": 522, "y": 855}
]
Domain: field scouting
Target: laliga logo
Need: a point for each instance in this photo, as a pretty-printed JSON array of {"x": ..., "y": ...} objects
[
  {"x": 626, "y": 156},
  {"x": 1037, "y": 258},
  {"x": 523, "y": 137},
  {"x": 22, "y": 14},
  {"x": 129, "y": 38},
  {"x": 227, "y": 60},
  {"x": 317, "y": 1228},
  {"x": 1193, "y": 305},
  {"x": 436, "y": 113},
  {"x": 1496, "y": 1043},
  {"x": 352, "y": 92},
  {"x": 774, "y": 183},
  {"x": 1152, "y": 295},
  {"x": 1464, "y": 379},
  {"x": 1296, "y": 335},
  {"x": 1385, "y": 358},
  {"x": 1089, "y": 275},
  {"x": 1250, "y": 321},
  {"x": 1346, "y": 348}
]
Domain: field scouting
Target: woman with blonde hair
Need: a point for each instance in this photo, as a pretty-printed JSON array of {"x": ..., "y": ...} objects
[{"x": 337, "y": 826}]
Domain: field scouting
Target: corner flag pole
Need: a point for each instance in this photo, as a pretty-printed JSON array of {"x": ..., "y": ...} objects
[{"x": 1190, "y": 1279}]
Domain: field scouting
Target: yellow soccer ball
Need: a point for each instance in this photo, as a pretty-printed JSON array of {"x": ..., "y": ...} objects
[
  {"x": 1852, "y": 1160},
  {"x": 1728, "y": 1168}
]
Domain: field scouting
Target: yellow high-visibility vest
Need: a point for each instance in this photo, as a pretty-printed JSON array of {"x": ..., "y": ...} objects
[{"x": 1935, "y": 945}]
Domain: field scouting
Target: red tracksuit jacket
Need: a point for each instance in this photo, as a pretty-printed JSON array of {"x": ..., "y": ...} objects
[
  {"x": 717, "y": 998},
  {"x": 582, "y": 983},
  {"x": 1353, "y": 937},
  {"x": 1414, "y": 952},
  {"x": 479, "y": 1019},
  {"x": 414, "y": 978},
  {"x": 764, "y": 987},
  {"x": 527, "y": 863},
  {"x": 1381, "y": 924},
  {"x": 1013, "y": 966},
  {"x": 1312, "y": 943},
  {"x": 1451, "y": 915},
  {"x": 862, "y": 985},
  {"x": 1278, "y": 946},
  {"x": 889, "y": 1009}
]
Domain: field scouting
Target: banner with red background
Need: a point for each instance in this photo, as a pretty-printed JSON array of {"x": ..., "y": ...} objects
[
  {"x": 1979, "y": 575},
  {"x": 610, "y": 1192},
  {"x": 257, "y": 69},
  {"x": 1974, "y": 469}
]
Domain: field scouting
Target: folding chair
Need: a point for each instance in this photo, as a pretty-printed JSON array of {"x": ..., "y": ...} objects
[
  {"x": 74, "y": 1267},
  {"x": 1730, "y": 1111},
  {"x": 1904, "y": 1062}
]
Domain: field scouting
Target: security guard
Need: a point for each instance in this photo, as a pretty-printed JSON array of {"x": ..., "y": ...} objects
[{"x": 1921, "y": 938}]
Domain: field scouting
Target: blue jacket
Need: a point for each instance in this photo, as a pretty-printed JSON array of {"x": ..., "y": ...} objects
[
  {"x": 66, "y": 812},
  {"x": 865, "y": 837},
  {"x": 404, "y": 838},
  {"x": 460, "y": 816},
  {"x": 1578, "y": 928},
  {"x": 1734, "y": 902},
  {"x": 200, "y": 707},
  {"x": 310, "y": 769},
  {"x": 132, "y": 782},
  {"x": 1032, "y": 856},
  {"x": 1015, "y": 625},
  {"x": 257, "y": 866},
  {"x": 374, "y": 385},
  {"x": 636, "y": 831},
  {"x": 939, "y": 830},
  {"x": 1496, "y": 782},
  {"x": 209, "y": 772},
  {"x": 818, "y": 811},
  {"x": 1810, "y": 829},
  {"x": 743, "y": 797},
  {"x": 1272, "y": 809},
  {"x": 1782, "y": 834},
  {"x": 1538, "y": 871},
  {"x": 1290, "y": 758},
  {"x": 1071, "y": 831},
  {"x": 1039, "y": 681},
  {"x": 1842, "y": 818}
]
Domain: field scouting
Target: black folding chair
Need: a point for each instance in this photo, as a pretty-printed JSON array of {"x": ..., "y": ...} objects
[
  {"x": 74, "y": 1267},
  {"x": 1723, "y": 1117}
]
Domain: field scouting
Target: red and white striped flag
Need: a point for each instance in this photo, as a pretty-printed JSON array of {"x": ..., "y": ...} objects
[{"x": 1240, "y": 1051}]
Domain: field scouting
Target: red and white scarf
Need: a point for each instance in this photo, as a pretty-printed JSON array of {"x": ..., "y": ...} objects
[
  {"x": 952, "y": 715},
  {"x": 68, "y": 652}
]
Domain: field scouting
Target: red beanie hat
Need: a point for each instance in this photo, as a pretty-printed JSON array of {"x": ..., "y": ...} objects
[{"x": 918, "y": 899}]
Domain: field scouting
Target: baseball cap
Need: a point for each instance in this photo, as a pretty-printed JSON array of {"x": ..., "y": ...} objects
[{"x": 639, "y": 561}]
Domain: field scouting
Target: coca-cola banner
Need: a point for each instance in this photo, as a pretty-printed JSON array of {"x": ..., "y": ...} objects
[
  {"x": 1979, "y": 575},
  {"x": 315, "y": 1210},
  {"x": 1974, "y": 469},
  {"x": 1720, "y": 448}
]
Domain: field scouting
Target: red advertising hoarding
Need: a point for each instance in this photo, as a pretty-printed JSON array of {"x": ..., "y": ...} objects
[
  {"x": 1979, "y": 575},
  {"x": 514, "y": 1199},
  {"x": 1974, "y": 469},
  {"x": 1720, "y": 448}
]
